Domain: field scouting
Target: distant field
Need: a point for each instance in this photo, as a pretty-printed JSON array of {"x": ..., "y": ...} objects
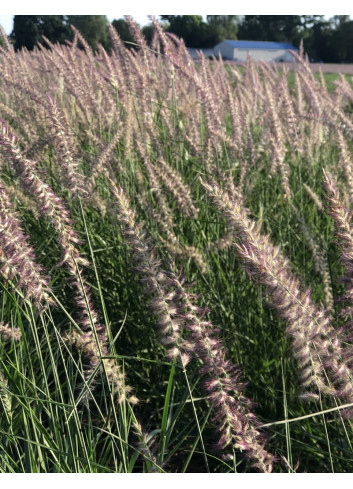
[
  {"x": 345, "y": 69},
  {"x": 331, "y": 71}
]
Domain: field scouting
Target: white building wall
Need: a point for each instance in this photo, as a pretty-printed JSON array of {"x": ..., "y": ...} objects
[
  {"x": 225, "y": 49},
  {"x": 262, "y": 54},
  {"x": 195, "y": 53}
]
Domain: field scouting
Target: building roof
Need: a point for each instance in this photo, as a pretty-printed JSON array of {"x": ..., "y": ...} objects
[{"x": 260, "y": 45}]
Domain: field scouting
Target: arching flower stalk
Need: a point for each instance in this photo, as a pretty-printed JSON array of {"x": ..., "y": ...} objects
[
  {"x": 65, "y": 150},
  {"x": 316, "y": 344},
  {"x": 176, "y": 311},
  {"x": 94, "y": 343},
  {"x": 17, "y": 257}
]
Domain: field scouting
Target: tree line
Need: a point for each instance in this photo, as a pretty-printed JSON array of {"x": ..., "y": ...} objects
[{"x": 327, "y": 40}]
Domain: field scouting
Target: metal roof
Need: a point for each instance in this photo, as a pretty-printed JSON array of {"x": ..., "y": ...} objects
[{"x": 260, "y": 45}]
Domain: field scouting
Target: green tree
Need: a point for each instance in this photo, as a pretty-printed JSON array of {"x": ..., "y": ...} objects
[
  {"x": 94, "y": 28},
  {"x": 122, "y": 28},
  {"x": 324, "y": 40},
  {"x": 29, "y": 29},
  {"x": 318, "y": 41},
  {"x": 199, "y": 34},
  {"x": 278, "y": 28},
  {"x": 338, "y": 20},
  {"x": 222, "y": 27},
  {"x": 147, "y": 31},
  {"x": 342, "y": 41},
  {"x": 188, "y": 27}
]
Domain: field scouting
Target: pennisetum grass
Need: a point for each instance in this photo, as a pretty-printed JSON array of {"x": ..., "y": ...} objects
[
  {"x": 316, "y": 346},
  {"x": 73, "y": 322},
  {"x": 176, "y": 311}
]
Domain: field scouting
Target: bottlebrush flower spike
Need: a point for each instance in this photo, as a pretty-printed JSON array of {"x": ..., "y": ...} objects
[
  {"x": 342, "y": 219},
  {"x": 64, "y": 147},
  {"x": 237, "y": 425},
  {"x": 51, "y": 206},
  {"x": 176, "y": 187},
  {"x": 54, "y": 209},
  {"x": 17, "y": 258},
  {"x": 316, "y": 346},
  {"x": 175, "y": 310},
  {"x": 148, "y": 266},
  {"x": 342, "y": 365},
  {"x": 10, "y": 333}
]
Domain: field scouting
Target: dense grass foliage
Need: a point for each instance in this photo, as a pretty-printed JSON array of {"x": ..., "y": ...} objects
[{"x": 176, "y": 262}]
